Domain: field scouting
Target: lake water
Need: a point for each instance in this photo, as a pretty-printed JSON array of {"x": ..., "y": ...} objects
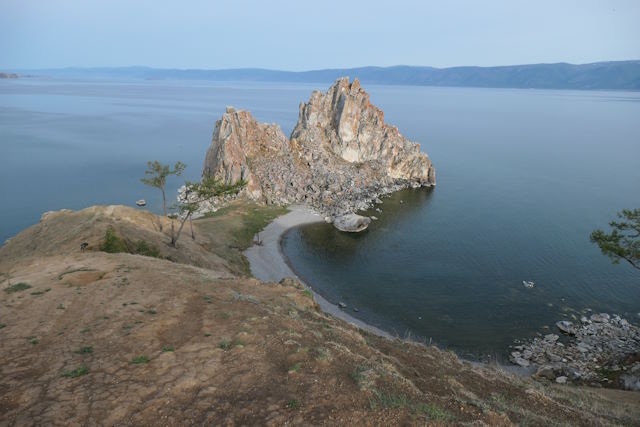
[
  {"x": 72, "y": 144},
  {"x": 523, "y": 177}
]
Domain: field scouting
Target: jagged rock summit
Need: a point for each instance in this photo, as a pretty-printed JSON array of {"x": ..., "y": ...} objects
[{"x": 341, "y": 155}]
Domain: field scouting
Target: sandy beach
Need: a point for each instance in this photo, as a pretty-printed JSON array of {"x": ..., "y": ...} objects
[{"x": 269, "y": 264}]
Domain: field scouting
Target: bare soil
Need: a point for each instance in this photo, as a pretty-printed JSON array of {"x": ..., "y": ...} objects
[{"x": 123, "y": 339}]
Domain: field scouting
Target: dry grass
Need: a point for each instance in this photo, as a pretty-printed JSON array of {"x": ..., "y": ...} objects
[{"x": 150, "y": 341}]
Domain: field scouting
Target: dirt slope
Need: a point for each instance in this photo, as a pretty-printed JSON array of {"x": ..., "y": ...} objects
[{"x": 123, "y": 339}]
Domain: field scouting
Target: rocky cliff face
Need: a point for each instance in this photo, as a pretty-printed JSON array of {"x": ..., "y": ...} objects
[{"x": 341, "y": 155}]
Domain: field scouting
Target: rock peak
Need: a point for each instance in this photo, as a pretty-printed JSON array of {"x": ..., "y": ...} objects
[{"x": 341, "y": 154}]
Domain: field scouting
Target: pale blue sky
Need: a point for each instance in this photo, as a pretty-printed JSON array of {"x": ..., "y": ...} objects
[{"x": 300, "y": 35}]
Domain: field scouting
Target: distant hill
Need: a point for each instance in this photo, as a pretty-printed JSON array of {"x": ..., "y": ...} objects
[{"x": 619, "y": 75}]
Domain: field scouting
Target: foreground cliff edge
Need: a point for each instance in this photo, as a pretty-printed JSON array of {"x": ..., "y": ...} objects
[
  {"x": 185, "y": 336},
  {"x": 340, "y": 157}
]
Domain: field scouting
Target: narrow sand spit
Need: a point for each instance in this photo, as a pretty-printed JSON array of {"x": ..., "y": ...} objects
[{"x": 269, "y": 264}]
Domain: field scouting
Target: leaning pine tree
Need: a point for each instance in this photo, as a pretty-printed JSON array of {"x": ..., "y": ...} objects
[
  {"x": 195, "y": 194},
  {"x": 623, "y": 242},
  {"x": 157, "y": 174}
]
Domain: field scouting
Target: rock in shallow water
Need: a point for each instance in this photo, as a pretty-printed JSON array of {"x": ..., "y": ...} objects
[
  {"x": 566, "y": 327},
  {"x": 590, "y": 352},
  {"x": 352, "y": 223}
]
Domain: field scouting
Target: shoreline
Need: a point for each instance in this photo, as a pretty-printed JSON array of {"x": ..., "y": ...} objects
[{"x": 269, "y": 264}]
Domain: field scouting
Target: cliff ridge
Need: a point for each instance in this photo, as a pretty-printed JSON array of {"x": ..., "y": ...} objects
[{"x": 341, "y": 155}]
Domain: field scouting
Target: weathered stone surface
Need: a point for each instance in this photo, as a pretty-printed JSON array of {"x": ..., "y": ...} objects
[
  {"x": 238, "y": 140},
  {"x": 566, "y": 327},
  {"x": 631, "y": 380},
  {"x": 351, "y": 223},
  {"x": 345, "y": 121},
  {"x": 547, "y": 372},
  {"x": 600, "y": 318},
  {"x": 340, "y": 158},
  {"x": 591, "y": 349}
]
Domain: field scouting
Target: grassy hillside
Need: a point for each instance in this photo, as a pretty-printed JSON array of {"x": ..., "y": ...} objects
[{"x": 122, "y": 338}]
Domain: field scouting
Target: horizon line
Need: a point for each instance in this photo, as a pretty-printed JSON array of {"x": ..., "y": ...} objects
[{"x": 314, "y": 69}]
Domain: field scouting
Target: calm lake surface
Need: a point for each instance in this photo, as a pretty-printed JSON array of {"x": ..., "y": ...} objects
[{"x": 523, "y": 177}]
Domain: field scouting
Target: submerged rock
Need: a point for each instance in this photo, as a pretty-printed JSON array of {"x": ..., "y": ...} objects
[{"x": 341, "y": 156}]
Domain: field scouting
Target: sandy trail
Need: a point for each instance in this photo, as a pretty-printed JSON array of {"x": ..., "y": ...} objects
[{"x": 269, "y": 264}]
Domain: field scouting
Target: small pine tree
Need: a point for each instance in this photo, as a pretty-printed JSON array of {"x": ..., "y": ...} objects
[
  {"x": 195, "y": 194},
  {"x": 623, "y": 243},
  {"x": 158, "y": 177}
]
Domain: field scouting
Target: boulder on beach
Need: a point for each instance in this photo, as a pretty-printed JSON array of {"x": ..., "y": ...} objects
[{"x": 352, "y": 223}]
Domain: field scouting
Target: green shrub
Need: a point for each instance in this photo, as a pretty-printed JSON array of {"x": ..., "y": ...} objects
[
  {"x": 83, "y": 370},
  {"x": 140, "y": 360},
  {"x": 143, "y": 248},
  {"x": 112, "y": 243},
  {"x": 17, "y": 287},
  {"x": 433, "y": 412},
  {"x": 294, "y": 404},
  {"x": 228, "y": 345}
]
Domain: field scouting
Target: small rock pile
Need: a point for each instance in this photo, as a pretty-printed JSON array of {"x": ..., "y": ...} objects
[{"x": 599, "y": 350}]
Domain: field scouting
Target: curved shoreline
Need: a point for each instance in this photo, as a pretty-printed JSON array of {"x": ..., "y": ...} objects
[{"x": 269, "y": 264}]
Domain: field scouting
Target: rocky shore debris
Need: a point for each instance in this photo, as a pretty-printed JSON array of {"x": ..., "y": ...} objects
[
  {"x": 340, "y": 158},
  {"x": 599, "y": 350}
]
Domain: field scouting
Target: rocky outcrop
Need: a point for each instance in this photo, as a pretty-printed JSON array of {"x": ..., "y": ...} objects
[
  {"x": 597, "y": 350},
  {"x": 341, "y": 155},
  {"x": 344, "y": 121},
  {"x": 238, "y": 143}
]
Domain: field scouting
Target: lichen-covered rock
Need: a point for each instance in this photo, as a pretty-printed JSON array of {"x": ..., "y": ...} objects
[{"x": 340, "y": 158}]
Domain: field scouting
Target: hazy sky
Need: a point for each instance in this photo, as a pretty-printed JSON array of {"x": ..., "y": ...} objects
[{"x": 300, "y": 35}]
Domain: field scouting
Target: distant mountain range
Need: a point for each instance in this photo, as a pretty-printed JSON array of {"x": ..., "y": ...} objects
[{"x": 618, "y": 75}]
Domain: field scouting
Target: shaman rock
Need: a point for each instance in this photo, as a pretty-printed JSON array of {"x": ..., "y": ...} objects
[{"x": 340, "y": 158}]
